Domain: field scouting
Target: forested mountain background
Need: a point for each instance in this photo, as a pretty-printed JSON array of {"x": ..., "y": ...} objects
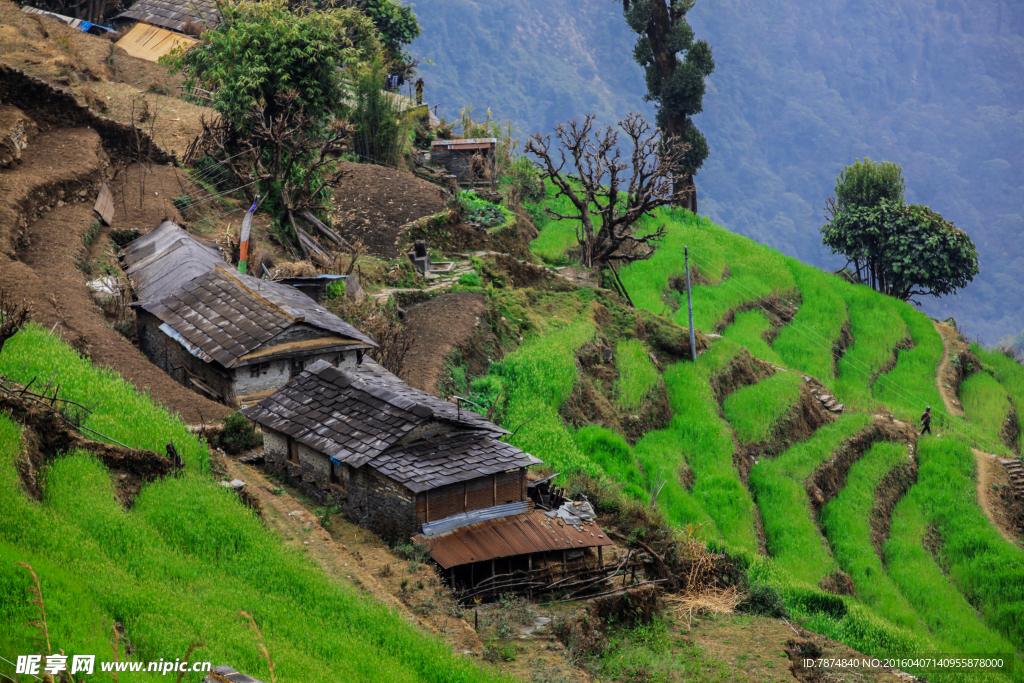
[{"x": 801, "y": 88}]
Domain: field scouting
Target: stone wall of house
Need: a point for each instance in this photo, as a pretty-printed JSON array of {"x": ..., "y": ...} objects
[
  {"x": 367, "y": 497},
  {"x": 271, "y": 375},
  {"x": 170, "y": 356}
]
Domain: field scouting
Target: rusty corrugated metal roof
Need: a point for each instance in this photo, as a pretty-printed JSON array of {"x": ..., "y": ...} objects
[{"x": 515, "y": 535}]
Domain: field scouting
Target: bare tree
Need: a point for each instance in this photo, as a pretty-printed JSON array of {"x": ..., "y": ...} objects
[{"x": 609, "y": 194}]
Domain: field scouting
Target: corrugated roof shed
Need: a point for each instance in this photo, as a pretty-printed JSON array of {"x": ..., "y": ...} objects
[
  {"x": 354, "y": 417},
  {"x": 530, "y": 532},
  {"x": 174, "y": 14}
]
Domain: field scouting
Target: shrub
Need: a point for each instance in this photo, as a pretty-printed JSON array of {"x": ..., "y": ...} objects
[
  {"x": 122, "y": 237},
  {"x": 239, "y": 435},
  {"x": 336, "y": 290},
  {"x": 765, "y": 601},
  {"x": 472, "y": 279}
]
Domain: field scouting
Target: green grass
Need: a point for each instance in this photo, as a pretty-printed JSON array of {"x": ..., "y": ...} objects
[
  {"x": 845, "y": 519},
  {"x": 180, "y": 565},
  {"x": 778, "y": 487},
  {"x": 877, "y": 328},
  {"x": 755, "y": 271},
  {"x": 118, "y": 410},
  {"x": 1007, "y": 371},
  {"x": 807, "y": 342},
  {"x": 637, "y": 374},
  {"x": 747, "y": 331},
  {"x": 556, "y": 237},
  {"x": 609, "y": 450},
  {"x": 911, "y": 384},
  {"x": 538, "y": 377},
  {"x": 754, "y": 410},
  {"x": 987, "y": 406},
  {"x": 699, "y": 434},
  {"x": 946, "y": 613},
  {"x": 987, "y": 570}
]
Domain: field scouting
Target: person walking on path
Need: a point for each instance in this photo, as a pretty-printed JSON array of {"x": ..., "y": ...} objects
[{"x": 926, "y": 421}]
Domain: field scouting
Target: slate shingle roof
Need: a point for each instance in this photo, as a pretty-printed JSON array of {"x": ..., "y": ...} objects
[
  {"x": 439, "y": 462},
  {"x": 165, "y": 260},
  {"x": 173, "y": 14},
  {"x": 357, "y": 417},
  {"x": 215, "y": 309}
]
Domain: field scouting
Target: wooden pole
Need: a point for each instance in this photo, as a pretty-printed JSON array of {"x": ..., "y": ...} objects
[{"x": 689, "y": 303}]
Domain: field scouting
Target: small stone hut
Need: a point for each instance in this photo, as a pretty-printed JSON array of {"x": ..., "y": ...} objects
[
  {"x": 470, "y": 160},
  {"x": 393, "y": 457},
  {"x": 230, "y": 336}
]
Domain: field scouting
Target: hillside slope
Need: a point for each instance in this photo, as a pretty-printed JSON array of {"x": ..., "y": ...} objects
[
  {"x": 936, "y": 87},
  {"x": 791, "y": 443}
]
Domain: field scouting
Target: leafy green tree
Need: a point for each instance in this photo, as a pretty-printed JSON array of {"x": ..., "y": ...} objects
[
  {"x": 274, "y": 73},
  {"x": 675, "y": 66},
  {"x": 904, "y": 250},
  {"x": 396, "y": 24},
  {"x": 260, "y": 50},
  {"x": 867, "y": 183}
]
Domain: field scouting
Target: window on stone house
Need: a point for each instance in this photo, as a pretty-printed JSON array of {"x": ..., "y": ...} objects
[
  {"x": 296, "y": 368},
  {"x": 254, "y": 370}
]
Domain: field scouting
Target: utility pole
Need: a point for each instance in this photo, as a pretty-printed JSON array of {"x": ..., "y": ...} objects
[{"x": 689, "y": 304}]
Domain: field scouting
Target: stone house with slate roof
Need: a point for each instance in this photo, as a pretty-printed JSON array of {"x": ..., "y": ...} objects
[
  {"x": 173, "y": 14},
  {"x": 233, "y": 337},
  {"x": 392, "y": 457}
]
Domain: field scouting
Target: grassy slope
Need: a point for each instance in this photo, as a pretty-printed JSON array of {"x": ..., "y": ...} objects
[
  {"x": 1008, "y": 372},
  {"x": 637, "y": 374},
  {"x": 792, "y": 537},
  {"x": 746, "y": 331},
  {"x": 180, "y": 565},
  {"x": 846, "y": 524},
  {"x": 987, "y": 405},
  {"x": 754, "y": 410},
  {"x": 807, "y": 342},
  {"x": 871, "y": 377}
]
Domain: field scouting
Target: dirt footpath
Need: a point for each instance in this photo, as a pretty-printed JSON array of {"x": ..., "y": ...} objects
[{"x": 440, "y": 325}]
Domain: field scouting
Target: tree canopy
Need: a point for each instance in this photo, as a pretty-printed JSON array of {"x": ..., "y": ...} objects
[
  {"x": 675, "y": 66},
  {"x": 261, "y": 50},
  {"x": 899, "y": 249}
]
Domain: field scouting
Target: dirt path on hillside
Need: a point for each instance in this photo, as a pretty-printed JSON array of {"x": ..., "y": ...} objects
[
  {"x": 440, "y": 325},
  {"x": 946, "y": 375},
  {"x": 354, "y": 556},
  {"x": 990, "y": 475}
]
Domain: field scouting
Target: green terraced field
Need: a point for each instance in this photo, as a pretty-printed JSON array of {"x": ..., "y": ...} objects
[
  {"x": 904, "y": 604},
  {"x": 179, "y": 566},
  {"x": 754, "y": 410}
]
